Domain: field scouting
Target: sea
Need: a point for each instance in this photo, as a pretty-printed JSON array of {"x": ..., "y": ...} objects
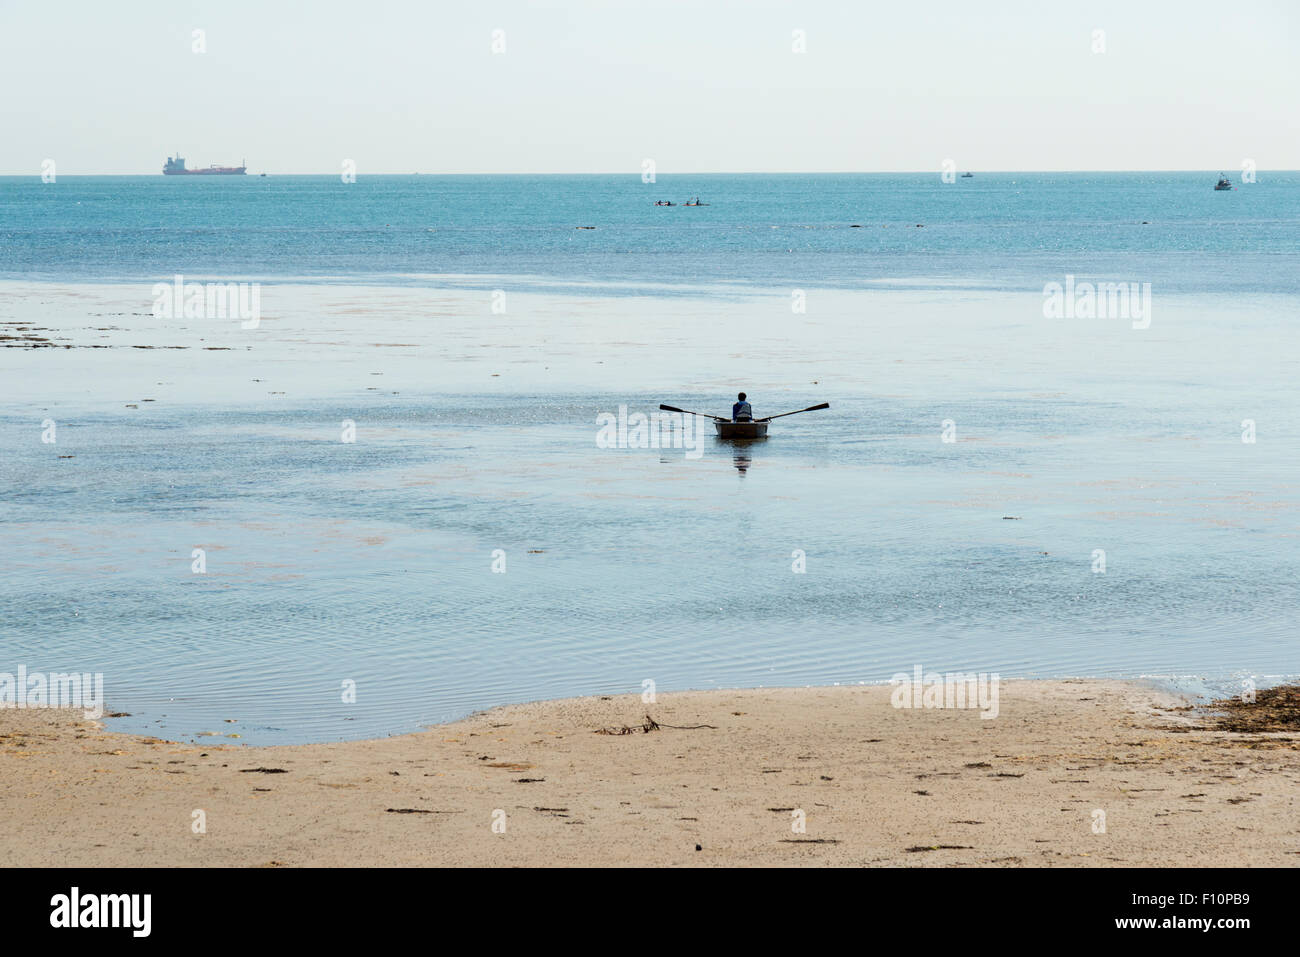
[{"x": 397, "y": 499}]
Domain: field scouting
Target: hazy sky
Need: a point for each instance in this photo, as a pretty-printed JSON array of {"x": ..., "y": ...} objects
[{"x": 709, "y": 85}]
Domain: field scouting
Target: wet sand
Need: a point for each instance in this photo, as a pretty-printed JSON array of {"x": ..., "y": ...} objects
[{"x": 876, "y": 786}]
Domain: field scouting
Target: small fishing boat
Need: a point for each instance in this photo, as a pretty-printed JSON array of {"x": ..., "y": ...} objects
[
  {"x": 1223, "y": 183},
  {"x": 740, "y": 430},
  {"x": 743, "y": 431},
  {"x": 967, "y": 175}
]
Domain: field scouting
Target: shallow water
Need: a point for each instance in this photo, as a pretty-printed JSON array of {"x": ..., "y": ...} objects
[{"x": 371, "y": 561}]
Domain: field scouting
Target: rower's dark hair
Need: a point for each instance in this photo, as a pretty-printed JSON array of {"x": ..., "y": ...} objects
[{"x": 741, "y": 397}]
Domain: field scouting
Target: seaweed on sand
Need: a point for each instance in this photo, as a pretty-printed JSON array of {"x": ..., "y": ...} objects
[{"x": 1274, "y": 709}]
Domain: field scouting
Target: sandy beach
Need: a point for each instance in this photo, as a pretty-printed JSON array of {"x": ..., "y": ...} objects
[{"x": 1077, "y": 773}]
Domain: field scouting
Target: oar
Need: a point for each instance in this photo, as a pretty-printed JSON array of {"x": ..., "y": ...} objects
[
  {"x": 811, "y": 408},
  {"x": 670, "y": 408}
]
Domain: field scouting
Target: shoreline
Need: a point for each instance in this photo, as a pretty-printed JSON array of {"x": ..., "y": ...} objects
[
  {"x": 740, "y": 291},
  {"x": 727, "y": 771}
]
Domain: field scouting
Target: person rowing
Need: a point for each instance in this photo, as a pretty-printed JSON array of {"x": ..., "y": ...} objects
[{"x": 742, "y": 411}]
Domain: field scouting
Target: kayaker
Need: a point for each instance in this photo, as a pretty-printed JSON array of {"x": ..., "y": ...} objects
[{"x": 741, "y": 411}]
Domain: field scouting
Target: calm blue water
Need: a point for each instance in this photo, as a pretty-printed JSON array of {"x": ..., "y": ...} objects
[
  {"x": 997, "y": 230},
  {"x": 372, "y": 561}
]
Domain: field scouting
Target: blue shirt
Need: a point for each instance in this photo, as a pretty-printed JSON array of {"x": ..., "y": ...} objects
[{"x": 739, "y": 409}]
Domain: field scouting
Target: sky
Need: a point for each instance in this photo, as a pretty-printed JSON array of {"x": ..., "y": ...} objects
[{"x": 399, "y": 86}]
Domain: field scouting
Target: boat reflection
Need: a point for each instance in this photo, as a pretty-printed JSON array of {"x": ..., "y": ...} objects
[{"x": 740, "y": 455}]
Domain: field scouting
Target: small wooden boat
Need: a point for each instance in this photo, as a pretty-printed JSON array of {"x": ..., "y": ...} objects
[
  {"x": 743, "y": 431},
  {"x": 740, "y": 430}
]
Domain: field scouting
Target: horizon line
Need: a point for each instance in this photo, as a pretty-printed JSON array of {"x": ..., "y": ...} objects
[{"x": 635, "y": 173}]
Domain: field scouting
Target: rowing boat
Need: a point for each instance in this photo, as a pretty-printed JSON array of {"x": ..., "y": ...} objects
[{"x": 740, "y": 430}]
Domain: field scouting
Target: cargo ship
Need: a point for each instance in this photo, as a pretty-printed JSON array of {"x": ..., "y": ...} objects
[{"x": 175, "y": 166}]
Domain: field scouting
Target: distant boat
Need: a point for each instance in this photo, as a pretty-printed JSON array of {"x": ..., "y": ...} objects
[
  {"x": 695, "y": 202},
  {"x": 664, "y": 202},
  {"x": 1223, "y": 183},
  {"x": 967, "y": 175},
  {"x": 175, "y": 166}
]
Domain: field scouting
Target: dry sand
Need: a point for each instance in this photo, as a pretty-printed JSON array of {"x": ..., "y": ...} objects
[{"x": 877, "y": 786}]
